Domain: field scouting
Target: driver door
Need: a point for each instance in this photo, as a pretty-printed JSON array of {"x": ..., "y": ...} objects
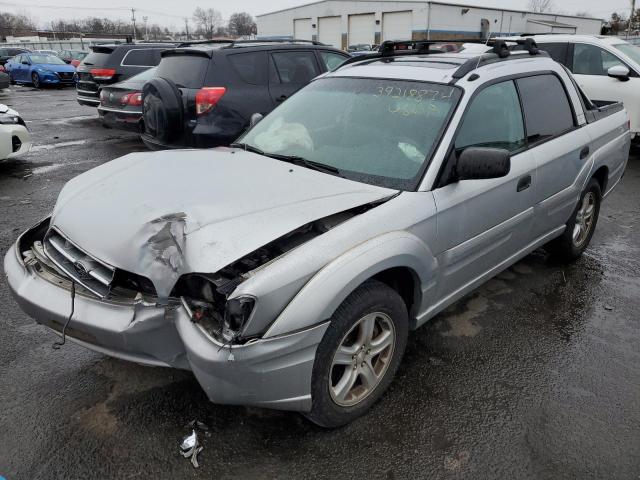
[
  {"x": 589, "y": 66},
  {"x": 482, "y": 223}
]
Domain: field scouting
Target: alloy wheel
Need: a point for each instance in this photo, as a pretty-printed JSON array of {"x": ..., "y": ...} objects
[
  {"x": 36, "y": 80},
  {"x": 584, "y": 219},
  {"x": 362, "y": 358}
]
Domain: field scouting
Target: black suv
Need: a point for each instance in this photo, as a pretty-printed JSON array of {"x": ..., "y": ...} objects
[
  {"x": 7, "y": 53},
  {"x": 203, "y": 94},
  {"x": 107, "y": 64}
]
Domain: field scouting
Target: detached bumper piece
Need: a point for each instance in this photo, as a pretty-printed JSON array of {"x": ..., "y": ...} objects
[{"x": 112, "y": 318}]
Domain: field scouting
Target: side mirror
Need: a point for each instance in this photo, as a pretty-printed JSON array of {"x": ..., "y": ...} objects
[
  {"x": 476, "y": 163},
  {"x": 255, "y": 119},
  {"x": 620, "y": 72}
]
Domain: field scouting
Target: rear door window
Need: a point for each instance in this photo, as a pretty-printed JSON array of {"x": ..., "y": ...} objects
[
  {"x": 547, "y": 111},
  {"x": 295, "y": 67},
  {"x": 186, "y": 71},
  {"x": 251, "y": 67},
  {"x": 331, "y": 60}
]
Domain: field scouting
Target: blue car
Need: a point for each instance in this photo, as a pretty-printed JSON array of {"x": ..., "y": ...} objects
[{"x": 40, "y": 69}]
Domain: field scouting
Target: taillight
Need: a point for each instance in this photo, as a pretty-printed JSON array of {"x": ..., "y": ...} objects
[
  {"x": 102, "y": 73},
  {"x": 134, "y": 99},
  {"x": 207, "y": 98}
]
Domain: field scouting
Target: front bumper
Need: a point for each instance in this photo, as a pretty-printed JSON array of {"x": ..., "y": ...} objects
[{"x": 271, "y": 373}]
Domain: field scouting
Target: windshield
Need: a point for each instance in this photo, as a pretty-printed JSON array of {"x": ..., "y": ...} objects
[
  {"x": 631, "y": 51},
  {"x": 78, "y": 55},
  {"x": 381, "y": 132},
  {"x": 48, "y": 59}
]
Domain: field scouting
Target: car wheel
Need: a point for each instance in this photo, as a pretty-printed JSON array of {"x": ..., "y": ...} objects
[
  {"x": 11, "y": 79},
  {"x": 358, "y": 355},
  {"x": 35, "y": 79},
  {"x": 580, "y": 227}
]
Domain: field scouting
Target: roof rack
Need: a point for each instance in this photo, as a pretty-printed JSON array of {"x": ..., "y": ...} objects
[
  {"x": 233, "y": 43},
  {"x": 499, "y": 51}
]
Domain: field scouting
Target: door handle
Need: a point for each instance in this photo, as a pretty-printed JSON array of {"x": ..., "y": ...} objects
[
  {"x": 281, "y": 98},
  {"x": 584, "y": 153},
  {"x": 524, "y": 183}
]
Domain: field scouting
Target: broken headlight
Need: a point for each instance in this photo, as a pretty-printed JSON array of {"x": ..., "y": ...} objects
[{"x": 223, "y": 322}]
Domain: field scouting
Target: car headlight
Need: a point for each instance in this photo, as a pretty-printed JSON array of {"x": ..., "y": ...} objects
[
  {"x": 222, "y": 318},
  {"x": 43, "y": 70},
  {"x": 10, "y": 120}
]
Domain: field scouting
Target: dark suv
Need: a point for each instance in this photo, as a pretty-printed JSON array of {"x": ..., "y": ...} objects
[
  {"x": 7, "y": 53},
  {"x": 203, "y": 94},
  {"x": 107, "y": 64}
]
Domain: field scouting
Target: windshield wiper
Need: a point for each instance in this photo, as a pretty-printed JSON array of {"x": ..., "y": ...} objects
[
  {"x": 303, "y": 162},
  {"x": 295, "y": 159},
  {"x": 247, "y": 147}
]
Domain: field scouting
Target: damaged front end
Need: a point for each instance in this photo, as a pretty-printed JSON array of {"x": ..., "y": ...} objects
[{"x": 207, "y": 297}]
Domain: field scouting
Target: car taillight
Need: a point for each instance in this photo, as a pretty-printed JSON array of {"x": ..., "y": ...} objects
[
  {"x": 207, "y": 98},
  {"x": 134, "y": 99},
  {"x": 102, "y": 73}
]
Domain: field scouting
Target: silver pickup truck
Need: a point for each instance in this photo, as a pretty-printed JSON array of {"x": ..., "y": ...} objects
[{"x": 287, "y": 270}]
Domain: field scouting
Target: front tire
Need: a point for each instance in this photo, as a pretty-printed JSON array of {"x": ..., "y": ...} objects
[
  {"x": 358, "y": 355},
  {"x": 11, "y": 80},
  {"x": 35, "y": 80},
  {"x": 580, "y": 227}
]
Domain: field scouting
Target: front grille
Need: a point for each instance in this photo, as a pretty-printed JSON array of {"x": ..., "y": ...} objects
[
  {"x": 66, "y": 75},
  {"x": 86, "y": 270}
]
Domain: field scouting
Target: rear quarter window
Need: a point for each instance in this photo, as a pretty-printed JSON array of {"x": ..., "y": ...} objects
[
  {"x": 185, "y": 71},
  {"x": 547, "y": 111},
  {"x": 142, "y": 57}
]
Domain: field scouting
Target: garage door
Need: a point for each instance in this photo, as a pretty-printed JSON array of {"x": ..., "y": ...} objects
[
  {"x": 362, "y": 29},
  {"x": 330, "y": 31},
  {"x": 302, "y": 29},
  {"x": 397, "y": 26}
]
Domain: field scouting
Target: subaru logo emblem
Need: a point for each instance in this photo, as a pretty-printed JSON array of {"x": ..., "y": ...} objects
[{"x": 80, "y": 270}]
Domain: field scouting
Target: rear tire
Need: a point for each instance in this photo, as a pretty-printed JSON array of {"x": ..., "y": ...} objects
[
  {"x": 358, "y": 355},
  {"x": 11, "y": 80},
  {"x": 580, "y": 227}
]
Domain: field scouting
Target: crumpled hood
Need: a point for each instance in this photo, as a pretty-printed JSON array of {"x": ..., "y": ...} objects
[{"x": 163, "y": 214}]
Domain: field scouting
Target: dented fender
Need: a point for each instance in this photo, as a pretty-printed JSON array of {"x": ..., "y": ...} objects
[{"x": 318, "y": 299}]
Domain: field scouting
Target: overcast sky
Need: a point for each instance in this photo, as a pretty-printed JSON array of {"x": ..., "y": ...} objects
[{"x": 172, "y": 12}]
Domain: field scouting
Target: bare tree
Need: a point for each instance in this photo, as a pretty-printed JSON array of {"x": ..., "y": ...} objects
[
  {"x": 208, "y": 20},
  {"x": 241, "y": 24},
  {"x": 541, "y": 6}
]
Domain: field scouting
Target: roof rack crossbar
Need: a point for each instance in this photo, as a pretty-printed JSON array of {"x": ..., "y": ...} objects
[
  {"x": 232, "y": 43},
  {"x": 499, "y": 47}
]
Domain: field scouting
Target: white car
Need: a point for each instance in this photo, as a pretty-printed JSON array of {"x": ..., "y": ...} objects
[
  {"x": 606, "y": 68},
  {"x": 15, "y": 139}
]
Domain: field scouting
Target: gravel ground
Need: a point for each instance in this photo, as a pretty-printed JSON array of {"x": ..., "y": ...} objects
[{"x": 535, "y": 375}]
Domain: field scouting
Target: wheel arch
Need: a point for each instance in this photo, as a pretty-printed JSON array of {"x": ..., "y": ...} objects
[
  {"x": 602, "y": 176},
  {"x": 398, "y": 259}
]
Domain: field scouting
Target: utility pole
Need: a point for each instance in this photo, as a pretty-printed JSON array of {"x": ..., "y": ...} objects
[
  {"x": 133, "y": 19},
  {"x": 633, "y": 11},
  {"x": 186, "y": 27},
  {"x": 146, "y": 35}
]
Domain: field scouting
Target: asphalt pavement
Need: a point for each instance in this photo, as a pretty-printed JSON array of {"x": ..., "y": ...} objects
[{"x": 536, "y": 375}]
